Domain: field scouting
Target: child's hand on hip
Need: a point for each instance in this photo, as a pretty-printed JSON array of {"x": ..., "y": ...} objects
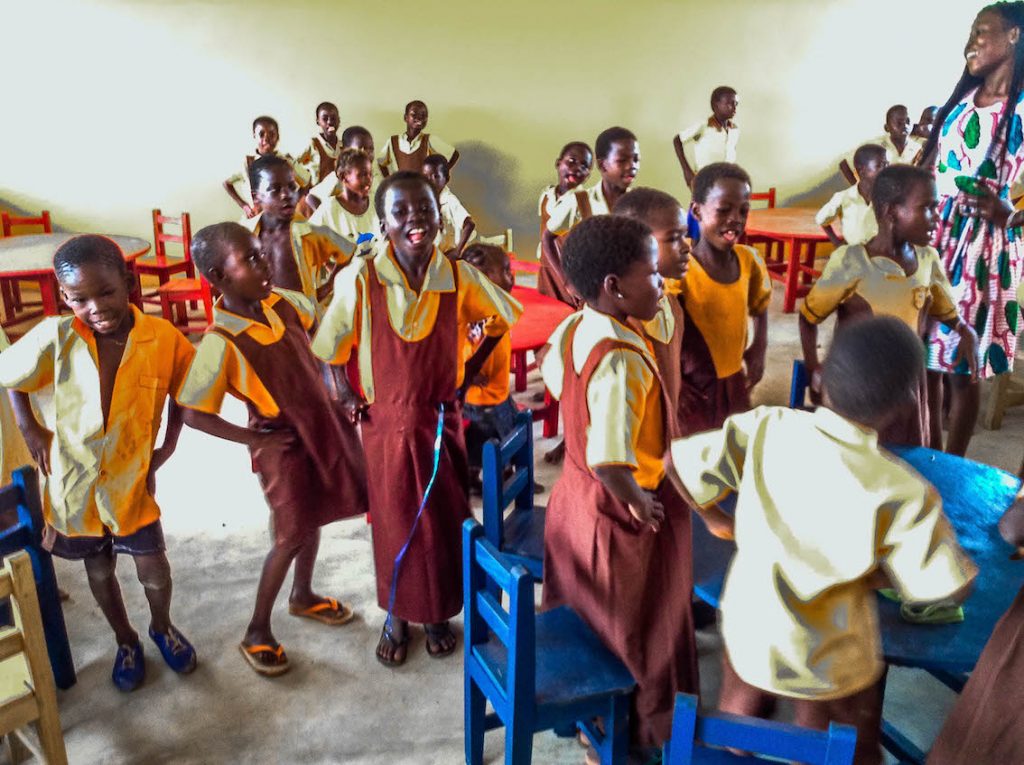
[
  {"x": 351, "y": 407},
  {"x": 275, "y": 439},
  {"x": 649, "y": 512},
  {"x": 38, "y": 439},
  {"x": 160, "y": 456}
]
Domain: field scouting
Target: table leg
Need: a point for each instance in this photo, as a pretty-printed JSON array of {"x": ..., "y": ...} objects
[
  {"x": 519, "y": 370},
  {"x": 807, "y": 277},
  {"x": 135, "y": 296},
  {"x": 48, "y": 296},
  {"x": 792, "y": 273}
]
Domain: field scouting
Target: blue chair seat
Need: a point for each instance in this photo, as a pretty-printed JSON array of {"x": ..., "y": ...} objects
[{"x": 524, "y": 537}]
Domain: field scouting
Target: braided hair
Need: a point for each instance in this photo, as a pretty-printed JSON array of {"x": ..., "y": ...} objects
[{"x": 1012, "y": 14}]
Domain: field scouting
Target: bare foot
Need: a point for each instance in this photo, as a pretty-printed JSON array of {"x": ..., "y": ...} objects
[{"x": 556, "y": 455}]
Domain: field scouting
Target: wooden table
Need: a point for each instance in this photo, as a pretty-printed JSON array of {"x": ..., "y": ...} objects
[
  {"x": 31, "y": 258},
  {"x": 974, "y": 498},
  {"x": 797, "y": 234}
]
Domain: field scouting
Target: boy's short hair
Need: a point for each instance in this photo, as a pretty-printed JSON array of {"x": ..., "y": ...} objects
[
  {"x": 351, "y": 132},
  {"x": 599, "y": 246},
  {"x": 439, "y": 161},
  {"x": 639, "y": 204},
  {"x": 575, "y": 145},
  {"x": 709, "y": 175},
  {"x": 350, "y": 157},
  {"x": 874, "y": 366},
  {"x": 88, "y": 250},
  {"x": 603, "y": 144},
  {"x": 892, "y": 110},
  {"x": 264, "y": 164},
  {"x": 720, "y": 92},
  {"x": 867, "y": 153},
  {"x": 894, "y": 183},
  {"x": 402, "y": 176},
  {"x": 265, "y": 120},
  {"x": 208, "y": 244},
  {"x": 324, "y": 105},
  {"x": 411, "y": 104},
  {"x": 480, "y": 255}
]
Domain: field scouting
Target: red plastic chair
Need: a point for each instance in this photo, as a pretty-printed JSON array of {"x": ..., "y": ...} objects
[
  {"x": 162, "y": 266},
  {"x": 10, "y": 289},
  {"x": 770, "y": 254},
  {"x": 175, "y": 297}
]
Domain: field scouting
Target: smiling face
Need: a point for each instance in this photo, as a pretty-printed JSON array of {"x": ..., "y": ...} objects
[
  {"x": 411, "y": 219},
  {"x": 990, "y": 45},
  {"x": 914, "y": 218},
  {"x": 897, "y": 125},
  {"x": 574, "y": 167},
  {"x": 723, "y": 216},
  {"x": 98, "y": 296},
  {"x": 277, "y": 193},
  {"x": 668, "y": 226},
  {"x": 327, "y": 119},
  {"x": 416, "y": 118},
  {"x": 638, "y": 291},
  {"x": 266, "y": 137},
  {"x": 622, "y": 164},
  {"x": 358, "y": 177}
]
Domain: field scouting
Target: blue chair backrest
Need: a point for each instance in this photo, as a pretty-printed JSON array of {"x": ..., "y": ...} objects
[
  {"x": 798, "y": 385},
  {"x": 498, "y": 492},
  {"x": 486, "y": 575},
  {"x": 773, "y": 739}
]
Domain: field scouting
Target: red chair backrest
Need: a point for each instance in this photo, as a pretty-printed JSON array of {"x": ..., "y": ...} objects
[
  {"x": 764, "y": 196},
  {"x": 10, "y": 221},
  {"x": 161, "y": 237}
]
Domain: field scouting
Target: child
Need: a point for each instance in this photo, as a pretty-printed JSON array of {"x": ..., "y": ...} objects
[
  {"x": 573, "y": 166},
  {"x": 266, "y": 133},
  {"x": 109, "y": 368},
  {"x": 853, "y": 206},
  {"x": 14, "y": 451},
  {"x": 321, "y": 156},
  {"x": 725, "y": 283},
  {"x": 900, "y": 148},
  {"x": 715, "y": 139},
  {"x": 349, "y": 213},
  {"x": 813, "y": 635},
  {"x": 617, "y": 536},
  {"x": 309, "y": 458},
  {"x": 618, "y": 160},
  {"x": 405, "y": 313},
  {"x": 354, "y": 137},
  {"x": 489, "y": 406},
  {"x": 923, "y": 126},
  {"x": 456, "y": 224},
  {"x": 895, "y": 273},
  {"x": 983, "y": 725},
  {"x": 663, "y": 214},
  {"x": 408, "y": 150},
  {"x": 301, "y": 259}
]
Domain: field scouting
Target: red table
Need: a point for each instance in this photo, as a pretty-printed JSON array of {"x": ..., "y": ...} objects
[
  {"x": 31, "y": 258},
  {"x": 797, "y": 234},
  {"x": 541, "y": 314}
]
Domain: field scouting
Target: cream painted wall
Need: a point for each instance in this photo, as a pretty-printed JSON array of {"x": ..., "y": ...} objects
[{"x": 125, "y": 106}]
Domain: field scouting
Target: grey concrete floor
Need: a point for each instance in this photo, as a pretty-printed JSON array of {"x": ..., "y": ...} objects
[{"x": 337, "y": 704}]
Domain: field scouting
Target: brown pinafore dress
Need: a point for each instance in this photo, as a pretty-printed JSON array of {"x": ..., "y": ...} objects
[
  {"x": 322, "y": 478},
  {"x": 412, "y": 379},
  {"x": 551, "y": 280},
  {"x": 327, "y": 162},
  {"x": 633, "y": 586},
  {"x": 669, "y": 358},
  {"x": 412, "y": 161}
]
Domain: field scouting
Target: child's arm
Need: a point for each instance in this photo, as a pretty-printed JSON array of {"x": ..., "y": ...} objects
[
  {"x": 833, "y": 237},
  {"x": 248, "y": 208},
  {"x": 809, "y": 344},
  {"x": 37, "y": 437},
  {"x": 719, "y": 522},
  {"x": 754, "y": 356},
  {"x": 643, "y": 505},
  {"x": 1011, "y": 525},
  {"x": 688, "y": 173},
  {"x": 453, "y": 159},
  {"x": 468, "y": 227},
  {"x": 221, "y": 428},
  {"x": 847, "y": 172},
  {"x": 351, "y": 404},
  {"x": 476, "y": 362},
  {"x": 175, "y": 420},
  {"x": 828, "y": 213}
]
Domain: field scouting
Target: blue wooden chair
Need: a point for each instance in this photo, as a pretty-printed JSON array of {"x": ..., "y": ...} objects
[
  {"x": 538, "y": 671},
  {"x": 519, "y": 534},
  {"x": 693, "y": 735},
  {"x": 798, "y": 385},
  {"x": 21, "y": 496}
]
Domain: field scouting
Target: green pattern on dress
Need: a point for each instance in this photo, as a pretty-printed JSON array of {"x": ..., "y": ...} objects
[
  {"x": 996, "y": 357},
  {"x": 981, "y": 274},
  {"x": 981, "y": 318},
  {"x": 972, "y": 133},
  {"x": 1004, "y": 270},
  {"x": 1012, "y": 311},
  {"x": 987, "y": 169}
]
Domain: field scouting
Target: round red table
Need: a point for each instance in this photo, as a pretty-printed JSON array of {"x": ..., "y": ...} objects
[
  {"x": 797, "y": 234},
  {"x": 541, "y": 315},
  {"x": 31, "y": 258}
]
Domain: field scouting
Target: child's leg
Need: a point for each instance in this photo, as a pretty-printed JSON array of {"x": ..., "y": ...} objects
[
  {"x": 738, "y": 697},
  {"x": 154, "y": 574},
  {"x": 963, "y": 413},
  {"x": 302, "y": 580},
  {"x": 100, "y": 569},
  {"x": 862, "y": 710},
  {"x": 275, "y": 568}
]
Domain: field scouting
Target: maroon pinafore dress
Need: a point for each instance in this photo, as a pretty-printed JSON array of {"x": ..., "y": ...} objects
[
  {"x": 322, "y": 478},
  {"x": 551, "y": 280},
  {"x": 632, "y": 585},
  {"x": 411, "y": 379},
  {"x": 412, "y": 161}
]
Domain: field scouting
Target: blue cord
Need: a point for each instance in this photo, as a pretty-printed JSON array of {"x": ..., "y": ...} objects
[{"x": 416, "y": 521}]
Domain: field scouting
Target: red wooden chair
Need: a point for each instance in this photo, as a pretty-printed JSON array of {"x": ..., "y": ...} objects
[
  {"x": 177, "y": 294},
  {"x": 162, "y": 266},
  {"x": 770, "y": 253},
  {"x": 10, "y": 289}
]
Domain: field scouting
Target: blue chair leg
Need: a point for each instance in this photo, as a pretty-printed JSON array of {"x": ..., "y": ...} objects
[
  {"x": 476, "y": 708},
  {"x": 518, "y": 740},
  {"x": 57, "y": 645},
  {"x": 798, "y": 385},
  {"x": 615, "y": 746}
]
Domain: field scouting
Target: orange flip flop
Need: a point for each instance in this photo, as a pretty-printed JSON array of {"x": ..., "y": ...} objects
[
  {"x": 266, "y": 660},
  {"x": 328, "y": 611}
]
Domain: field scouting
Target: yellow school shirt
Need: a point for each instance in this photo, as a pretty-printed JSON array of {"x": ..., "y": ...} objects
[
  {"x": 219, "y": 367},
  {"x": 798, "y": 617},
  {"x": 98, "y": 476},
  {"x": 347, "y": 321},
  {"x": 14, "y": 451},
  {"x": 712, "y": 142},
  {"x": 496, "y": 370},
  {"x": 333, "y": 215},
  {"x": 453, "y": 218},
  {"x": 852, "y": 272},
  {"x": 719, "y": 311},
  {"x": 856, "y": 213},
  {"x": 623, "y": 395}
]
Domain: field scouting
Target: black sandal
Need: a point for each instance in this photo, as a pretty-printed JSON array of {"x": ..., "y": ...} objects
[
  {"x": 435, "y": 636},
  {"x": 399, "y": 647}
]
